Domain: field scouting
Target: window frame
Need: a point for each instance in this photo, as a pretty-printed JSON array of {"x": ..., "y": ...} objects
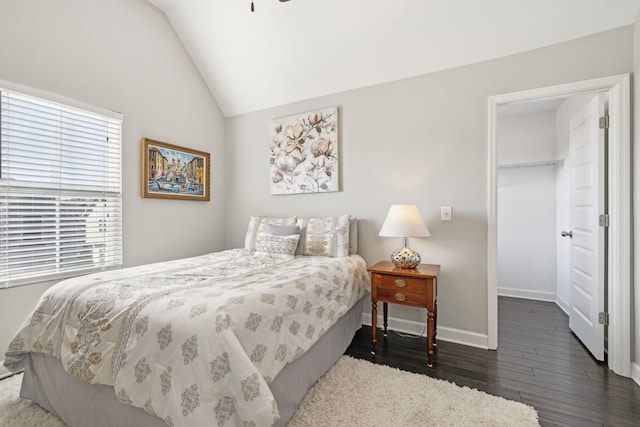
[{"x": 114, "y": 243}]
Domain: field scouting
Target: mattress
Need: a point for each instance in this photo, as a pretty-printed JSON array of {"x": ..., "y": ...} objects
[{"x": 193, "y": 340}]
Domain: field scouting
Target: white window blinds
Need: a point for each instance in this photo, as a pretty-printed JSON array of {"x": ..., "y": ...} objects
[{"x": 60, "y": 190}]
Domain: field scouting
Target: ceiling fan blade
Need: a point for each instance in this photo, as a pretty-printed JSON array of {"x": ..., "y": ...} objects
[{"x": 282, "y": 1}]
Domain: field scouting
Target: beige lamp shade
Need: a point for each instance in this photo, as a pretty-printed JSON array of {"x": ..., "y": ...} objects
[{"x": 404, "y": 221}]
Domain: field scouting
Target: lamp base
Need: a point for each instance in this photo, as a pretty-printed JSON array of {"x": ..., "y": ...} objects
[{"x": 405, "y": 258}]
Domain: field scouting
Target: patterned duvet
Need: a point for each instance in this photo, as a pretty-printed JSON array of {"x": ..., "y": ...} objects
[{"x": 193, "y": 341}]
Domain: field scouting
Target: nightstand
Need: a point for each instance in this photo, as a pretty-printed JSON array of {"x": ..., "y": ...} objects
[{"x": 416, "y": 287}]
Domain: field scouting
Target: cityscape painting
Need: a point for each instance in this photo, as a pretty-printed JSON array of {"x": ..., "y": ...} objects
[{"x": 173, "y": 172}]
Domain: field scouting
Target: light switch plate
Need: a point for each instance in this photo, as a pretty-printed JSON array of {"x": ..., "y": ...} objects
[{"x": 446, "y": 214}]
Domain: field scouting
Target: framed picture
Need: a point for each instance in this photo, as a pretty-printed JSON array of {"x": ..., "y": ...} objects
[
  {"x": 304, "y": 153},
  {"x": 173, "y": 172}
]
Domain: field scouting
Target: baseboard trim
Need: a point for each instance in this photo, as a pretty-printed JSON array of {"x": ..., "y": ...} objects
[
  {"x": 527, "y": 294},
  {"x": 564, "y": 305},
  {"x": 635, "y": 372},
  {"x": 4, "y": 372},
  {"x": 453, "y": 335}
]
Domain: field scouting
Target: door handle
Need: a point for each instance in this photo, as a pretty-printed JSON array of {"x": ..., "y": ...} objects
[{"x": 567, "y": 233}]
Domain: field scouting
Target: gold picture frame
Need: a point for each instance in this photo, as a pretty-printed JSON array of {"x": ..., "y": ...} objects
[{"x": 173, "y": 172}]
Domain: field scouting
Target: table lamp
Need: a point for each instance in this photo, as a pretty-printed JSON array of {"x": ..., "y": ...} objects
[{"x": 404, "y": 221}]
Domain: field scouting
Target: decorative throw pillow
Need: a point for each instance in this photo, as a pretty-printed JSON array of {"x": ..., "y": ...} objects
[
  {"x": 353, "y": 236},
  {"x": 281, "y": 246},
  {"x": 328, "y": 236},
  {"x": 259, "y": 225}
]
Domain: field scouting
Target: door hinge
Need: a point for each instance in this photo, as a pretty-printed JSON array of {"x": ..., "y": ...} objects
[
  {"x": 604, "y": 220},
  {"x": 603, "y": 318},
  {"x": 604, "y": 122}
]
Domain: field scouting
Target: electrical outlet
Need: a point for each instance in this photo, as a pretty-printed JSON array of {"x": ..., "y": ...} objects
[{"x": 446, "y": 214}]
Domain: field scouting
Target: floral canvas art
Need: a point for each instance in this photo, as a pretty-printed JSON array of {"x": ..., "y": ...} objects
[{"x": 304, "y": 153}]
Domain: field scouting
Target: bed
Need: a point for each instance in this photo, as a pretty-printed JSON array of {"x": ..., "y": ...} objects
[{"x": 232, "y": 338}]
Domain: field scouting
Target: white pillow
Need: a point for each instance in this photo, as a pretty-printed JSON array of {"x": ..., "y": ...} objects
[
  {"x": 328, "y": 236},
  {"x": 259, "y": 225},
  {"x": 280, "y": 246}
]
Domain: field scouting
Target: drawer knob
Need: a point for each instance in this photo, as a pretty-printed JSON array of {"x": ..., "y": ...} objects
[
  {"x": 400, "y": 297},
  {"x": 400, "y": 283}
]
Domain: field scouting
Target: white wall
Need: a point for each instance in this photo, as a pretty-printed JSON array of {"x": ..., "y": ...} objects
[
  {"x": 421, "y": 140},
  {"x": 527, "y": 206},
  {"x": 124, "y": 56},
  {"x": 563, "y": 115}
]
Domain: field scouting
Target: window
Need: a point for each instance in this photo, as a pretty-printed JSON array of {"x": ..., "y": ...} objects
[{"x": 60, "y": 189}]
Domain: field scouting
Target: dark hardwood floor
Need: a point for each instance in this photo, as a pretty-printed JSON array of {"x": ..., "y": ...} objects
[{"x": 538, "y": 362}]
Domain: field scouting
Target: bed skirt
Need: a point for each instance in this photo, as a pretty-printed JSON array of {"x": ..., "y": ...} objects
[{"x": 81, "y": 404}]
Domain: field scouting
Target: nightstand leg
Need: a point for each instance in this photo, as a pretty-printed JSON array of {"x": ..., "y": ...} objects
[
  {"x": 435, "y": 323},
  {"x": 384, "y": 315},
  {"x": 430, "y": 328},
  {"x": 374, "y": 326}
]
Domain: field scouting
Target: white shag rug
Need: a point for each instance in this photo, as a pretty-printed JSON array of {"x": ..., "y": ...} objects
[
  {"x": 353, "y": 393},
  {"x": 359, "y": 393}
]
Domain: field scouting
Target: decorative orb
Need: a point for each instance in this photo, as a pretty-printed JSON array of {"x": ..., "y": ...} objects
[{"x": 405, "y": 258}]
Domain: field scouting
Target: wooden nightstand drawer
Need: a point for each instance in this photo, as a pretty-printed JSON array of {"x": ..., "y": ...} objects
[
  {"x": 401, "y": 284},
  {"x": 400, "y": 296}
]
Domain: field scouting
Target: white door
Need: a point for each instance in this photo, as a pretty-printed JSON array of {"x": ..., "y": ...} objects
[{"x": 586, "y": 144}]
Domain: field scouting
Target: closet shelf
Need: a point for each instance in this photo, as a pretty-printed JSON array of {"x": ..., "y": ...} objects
[{"x": 533, "y": 164}]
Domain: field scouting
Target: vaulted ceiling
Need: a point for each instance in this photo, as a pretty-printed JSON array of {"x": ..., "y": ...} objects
[{"x": 290, "y": 51}]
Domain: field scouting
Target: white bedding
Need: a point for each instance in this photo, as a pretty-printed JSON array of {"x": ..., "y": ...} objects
[{"x": 193, "y": 340}]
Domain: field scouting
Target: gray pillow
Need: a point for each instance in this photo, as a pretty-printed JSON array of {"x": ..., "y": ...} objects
[{"x": 283, "y": 230}]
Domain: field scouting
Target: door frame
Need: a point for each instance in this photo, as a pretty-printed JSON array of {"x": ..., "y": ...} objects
[{"x": 619, "y": 187}]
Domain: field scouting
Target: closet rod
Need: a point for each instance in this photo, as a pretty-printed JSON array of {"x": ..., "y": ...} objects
[{"x": 533, "y": 164}]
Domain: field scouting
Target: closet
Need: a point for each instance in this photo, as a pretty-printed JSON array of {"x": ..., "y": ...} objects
[{"x": 533, "y": 199}]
